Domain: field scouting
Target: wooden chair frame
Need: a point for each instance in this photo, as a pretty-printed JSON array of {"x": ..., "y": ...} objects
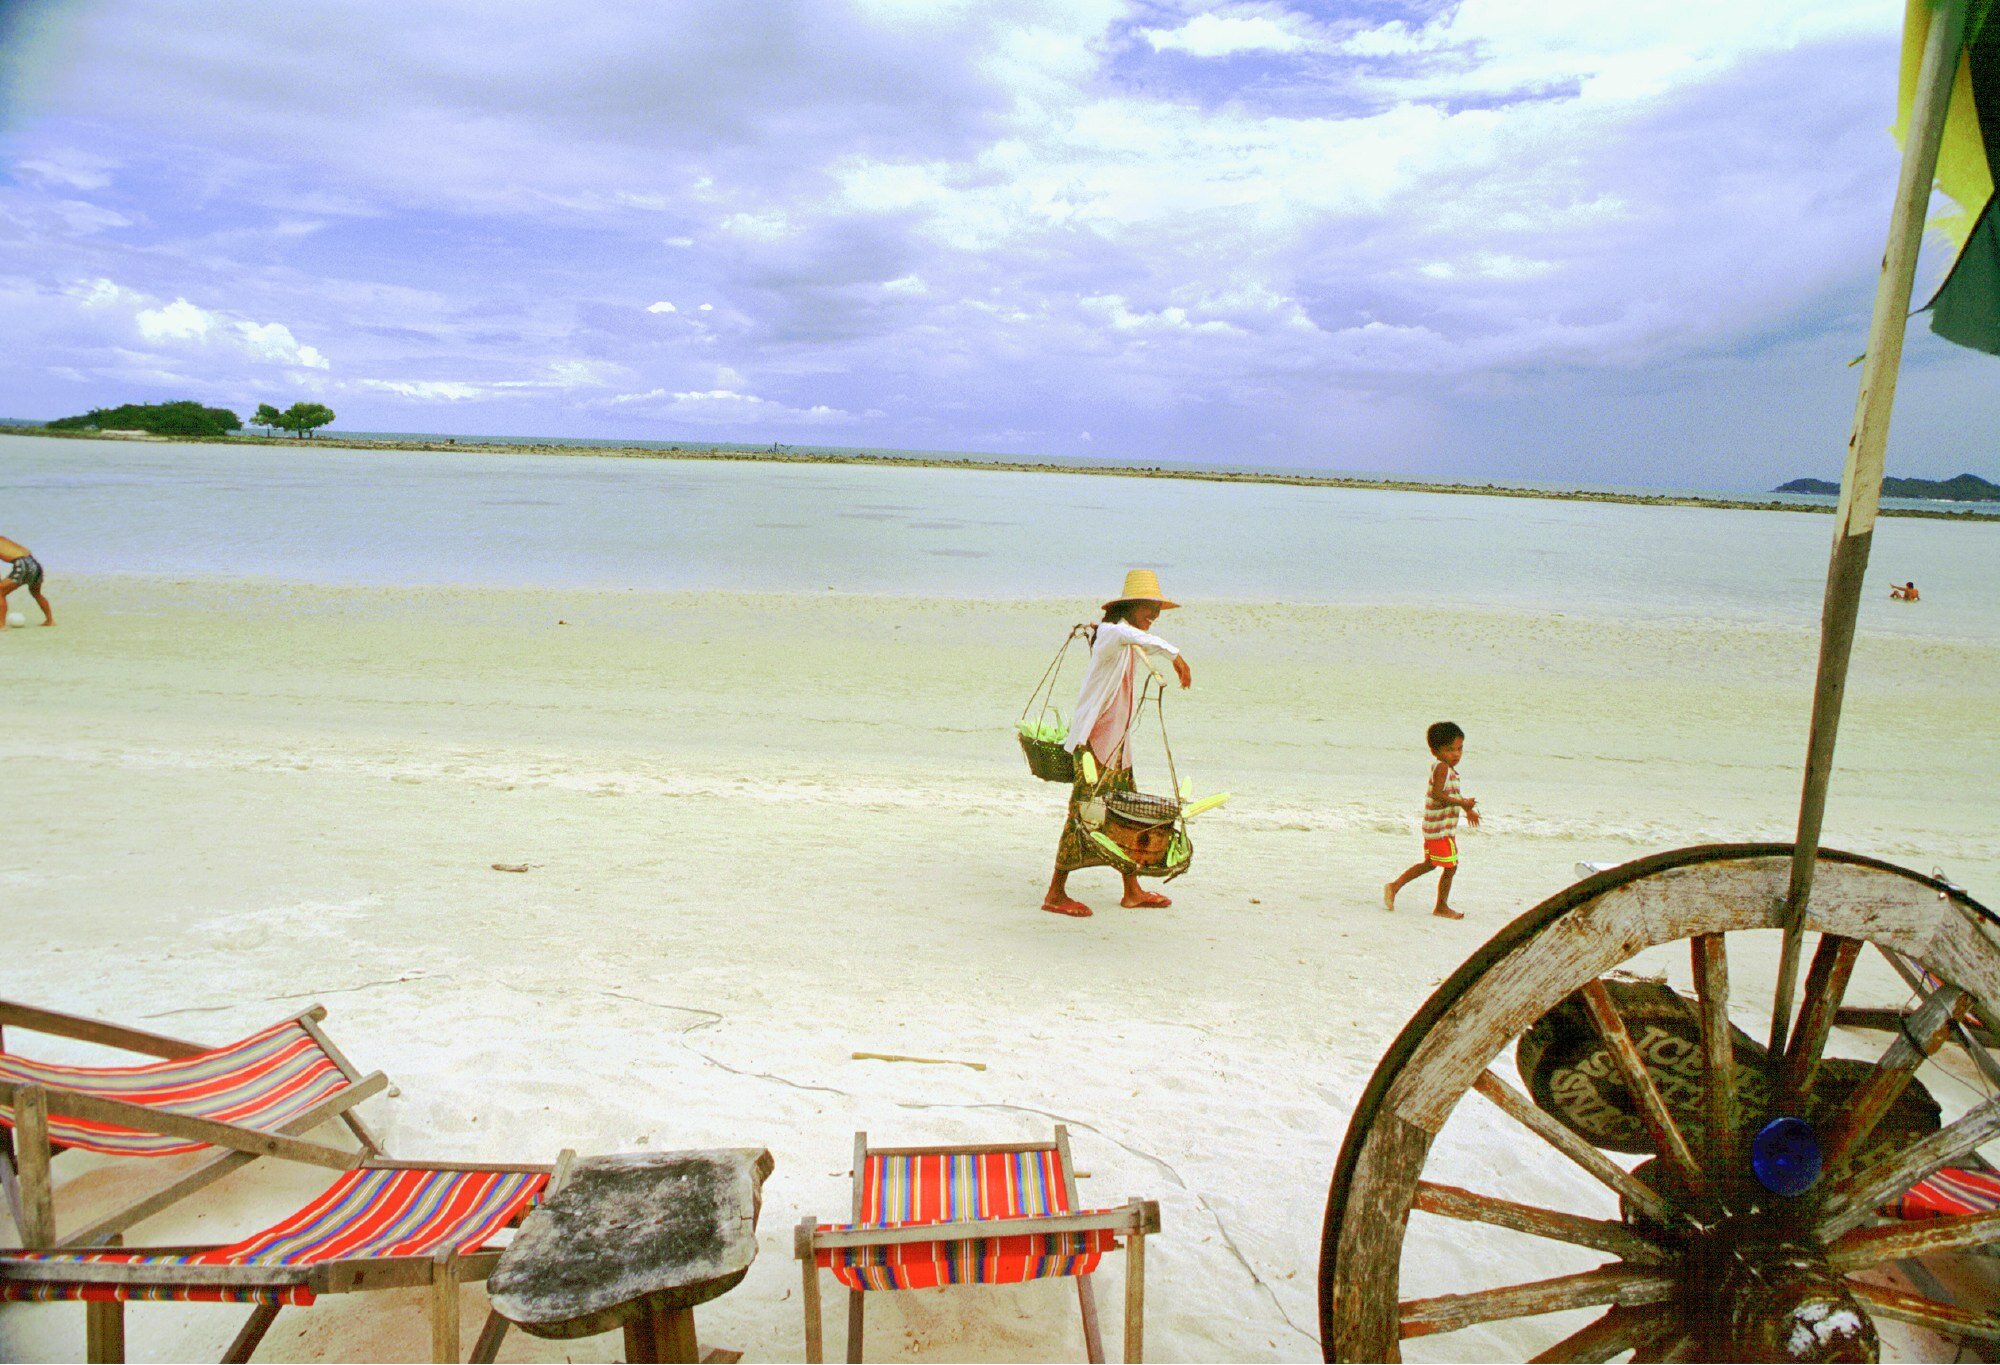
[
  {"x": 26, "y": 1151},
  {"x": 444, "y": 1272},
  {"x": 1138, "y": 1219}
]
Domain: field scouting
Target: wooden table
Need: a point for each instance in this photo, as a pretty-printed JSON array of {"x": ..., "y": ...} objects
[{"x": 635, "y": 1241}]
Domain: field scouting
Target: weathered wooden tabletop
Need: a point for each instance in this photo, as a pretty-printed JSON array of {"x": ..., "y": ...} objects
[{"x": 633, "y": 1233}]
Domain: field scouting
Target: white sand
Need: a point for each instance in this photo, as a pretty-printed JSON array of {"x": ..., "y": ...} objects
[{"x": 767, "y": 832}]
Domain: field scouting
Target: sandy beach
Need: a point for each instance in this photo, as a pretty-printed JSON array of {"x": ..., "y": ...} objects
[{"x": 767, "y": 832}]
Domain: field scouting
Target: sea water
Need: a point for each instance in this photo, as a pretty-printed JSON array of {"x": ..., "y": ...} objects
[{"x": 325, "y": 514}]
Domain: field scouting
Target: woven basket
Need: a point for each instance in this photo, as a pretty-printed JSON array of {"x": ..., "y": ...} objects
[
  {"x": 1048, "y": 760},
  {"x": 1137, "y": 808}
]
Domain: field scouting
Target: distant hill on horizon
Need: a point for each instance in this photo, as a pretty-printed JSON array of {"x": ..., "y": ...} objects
[{"x": 1959, "y": 488}]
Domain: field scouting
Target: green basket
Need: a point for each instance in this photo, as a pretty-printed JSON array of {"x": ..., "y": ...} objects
[{"x": 1048, "y": 760}]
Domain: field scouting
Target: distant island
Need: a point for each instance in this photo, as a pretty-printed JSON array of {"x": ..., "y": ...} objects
[
  {"x": 473, "y": 445},
  {"x": 189, "y": 420},
  {"x": 185, "y": 418},
  {"x": 1963, "y": 488}
]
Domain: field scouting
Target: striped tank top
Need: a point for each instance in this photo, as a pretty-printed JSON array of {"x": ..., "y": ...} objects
[{"x": 1441, "y": 820}]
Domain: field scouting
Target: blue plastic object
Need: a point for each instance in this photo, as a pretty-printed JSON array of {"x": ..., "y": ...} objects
[{"x": 1785, "y": 1156}]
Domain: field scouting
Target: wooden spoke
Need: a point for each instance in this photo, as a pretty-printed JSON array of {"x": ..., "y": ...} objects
[
  {"x": 1619, "y": 1330},
  {"x": 1718, "y": 1052},
  {"x": 1872, "y": 1246},
  {"x": 1605, "y": 1285},
  {"x": 1924, "y": 1032},
  {"x": 1666, "y": 1134},
  {"x": 1666, "y": 1342},
  {"x": 1851, "y": 1202},
  {"x": 1448, "y": 1201},
  {"x": 1974, "y": 1038},
  {"x": 1826, "y": 982},
  {"x": 1525, "y": 1112},
  {"x": 1944, "y": 1318}
]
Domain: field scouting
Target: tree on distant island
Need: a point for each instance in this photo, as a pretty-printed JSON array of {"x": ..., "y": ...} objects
[
  {"x": 268, "y": 418},
  {"x": 1958, "y": 488},
  {"x": 183, "y": 418},
  {"x": 301, "y": 418}
]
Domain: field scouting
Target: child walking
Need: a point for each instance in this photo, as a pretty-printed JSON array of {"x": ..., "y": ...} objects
[{"x": 1442, "y": 803}]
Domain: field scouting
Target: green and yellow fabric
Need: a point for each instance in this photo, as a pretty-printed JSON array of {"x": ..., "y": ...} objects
[{"x": 1966, "y": 307}]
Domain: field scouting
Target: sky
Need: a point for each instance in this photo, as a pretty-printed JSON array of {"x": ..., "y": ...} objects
[{"x": 1610, "y": 241}]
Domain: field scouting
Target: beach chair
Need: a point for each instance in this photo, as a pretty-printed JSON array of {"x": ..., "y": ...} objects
[
  {"x": 1953, "y": 1192},
  {"x": 997, "y": 1214},
  {"x": 251, "y": 1098},
  {"x": 386, "y": 1225}
]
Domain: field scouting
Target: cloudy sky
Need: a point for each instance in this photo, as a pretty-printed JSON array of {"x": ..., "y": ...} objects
[{"x": 1625, "y": 241}]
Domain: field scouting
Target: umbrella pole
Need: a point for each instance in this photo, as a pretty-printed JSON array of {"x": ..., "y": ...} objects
[{"x": 1861, "y": 482}]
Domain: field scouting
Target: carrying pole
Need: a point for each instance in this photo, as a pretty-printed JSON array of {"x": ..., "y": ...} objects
[{"x": 1861, "y": 481}]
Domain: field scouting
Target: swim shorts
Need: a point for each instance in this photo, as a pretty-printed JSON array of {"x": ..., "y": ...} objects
[
  {"x": 1441, "y": 852},
  {"x": 27, "y": 572}
]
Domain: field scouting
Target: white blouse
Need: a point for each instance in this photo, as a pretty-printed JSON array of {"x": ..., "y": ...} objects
[{"x": 1104, "y": 704}]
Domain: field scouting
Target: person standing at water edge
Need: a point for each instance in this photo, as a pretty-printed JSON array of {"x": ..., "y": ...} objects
[
  {"x": 1442, "y": 803},
  {"x": 1106, "y": 707},
  {"x": 25, "y": 573}
]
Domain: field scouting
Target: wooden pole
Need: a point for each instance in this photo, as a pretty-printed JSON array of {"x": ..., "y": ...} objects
[
  {"x": 32, "y": 1156},
  {"x": 1135, "y": 1298},
  {"x": 1861, "y": 482},
  {"x": 444, "y": 1306}
]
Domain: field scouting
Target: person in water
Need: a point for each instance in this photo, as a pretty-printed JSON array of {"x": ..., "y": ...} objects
[
  {"x": 1106, "y": 707},
  {"x": 1905, "y": 592},
  {"x": 24, "y": 571}
]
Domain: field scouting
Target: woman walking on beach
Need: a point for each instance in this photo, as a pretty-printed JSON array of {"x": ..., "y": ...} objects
[{"x": 1106, "y": 707}]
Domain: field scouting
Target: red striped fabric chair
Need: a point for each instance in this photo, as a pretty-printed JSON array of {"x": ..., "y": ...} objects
[
  {"x": 386, "y": 1225},
  {"x": 1951, "y": 1193},
  {"x": 994, "y": 1214},
  {"x": 251, "y": 1098}
]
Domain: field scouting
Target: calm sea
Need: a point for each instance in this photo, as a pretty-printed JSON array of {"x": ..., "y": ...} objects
[{"x": 328, "y": 515}]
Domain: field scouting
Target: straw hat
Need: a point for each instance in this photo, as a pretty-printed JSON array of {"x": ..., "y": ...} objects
[{"x": 1141, "y": 585}]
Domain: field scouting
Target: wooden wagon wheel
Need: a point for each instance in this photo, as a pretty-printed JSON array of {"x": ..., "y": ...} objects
[{"x": 1706, "y": 1260}]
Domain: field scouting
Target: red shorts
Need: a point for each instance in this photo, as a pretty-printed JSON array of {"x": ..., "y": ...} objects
[{"x": 1442, "y": 852}]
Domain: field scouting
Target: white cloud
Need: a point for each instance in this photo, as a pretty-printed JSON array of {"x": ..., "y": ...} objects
[
  {"x": 183, "y": 323},
  {"x": 1227, "y": 34},
  {"x": 1635, "y": 50},
  {"x": 725, "y": 407},
  {"x": 562, "y": 376},
  {"x": 67, "y": 167},
  {"x": 178, "y": 321},
  {"x": 576, "y": 374},
  {"x": 1486, "y": 265},
  {"x": 428, "y": 390},
  {"x": 661, "y": 307}
]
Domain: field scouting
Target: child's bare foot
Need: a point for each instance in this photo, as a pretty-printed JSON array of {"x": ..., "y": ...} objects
[
  {"x": 1145, "y": 900},
  {"x": 1388, "y": 895},
  {"x": 1446, "y": 912},
  {"x": 1074, "y": 909}
]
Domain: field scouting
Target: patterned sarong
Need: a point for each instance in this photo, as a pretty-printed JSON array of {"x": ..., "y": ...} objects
[{"x": 1076, "y": 848}]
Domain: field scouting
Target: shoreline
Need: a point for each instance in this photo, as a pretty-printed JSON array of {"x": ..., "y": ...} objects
[{"x": 1195, "y": 475}]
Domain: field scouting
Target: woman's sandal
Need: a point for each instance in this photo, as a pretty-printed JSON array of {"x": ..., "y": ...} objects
[
  {"x": 1148, "y": 900},
  {"x": 1074, "y": 909}
]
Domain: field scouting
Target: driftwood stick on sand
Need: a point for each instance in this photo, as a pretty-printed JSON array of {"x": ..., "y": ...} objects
[{"x": 921, "y": 1061}]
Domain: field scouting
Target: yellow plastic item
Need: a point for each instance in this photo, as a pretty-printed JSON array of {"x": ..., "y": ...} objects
[
  {"x": 1206, "y": 803},
  {"x": 1088, "y": 764}
]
